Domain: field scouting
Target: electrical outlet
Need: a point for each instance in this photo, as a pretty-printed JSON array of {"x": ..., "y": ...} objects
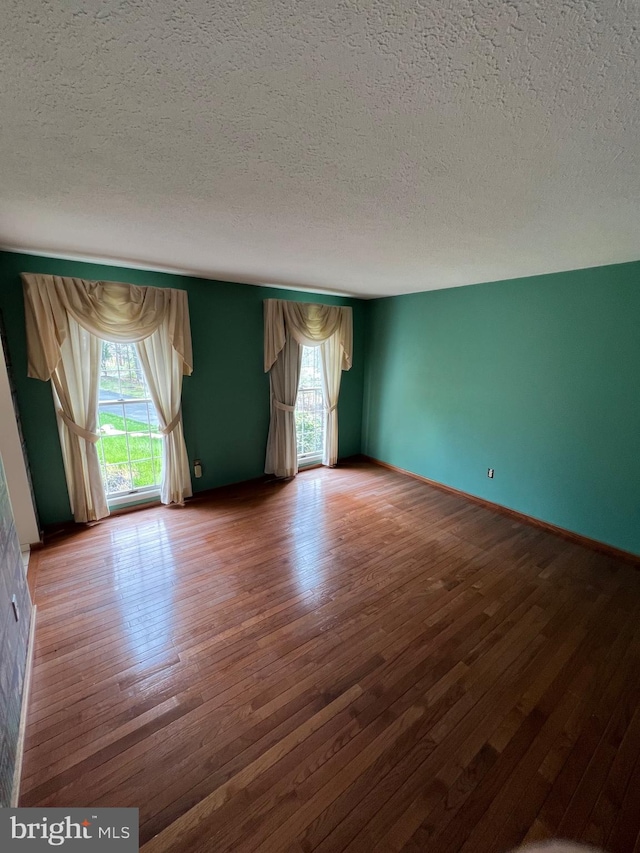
[
  {"x": 197, "y": 468},
  {"x": 490, "y": 473}
]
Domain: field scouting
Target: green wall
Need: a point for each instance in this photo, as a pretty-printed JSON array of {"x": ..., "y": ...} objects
[
  {"x": 225, "y": 401},
  {"x": 538, "y": 378}
]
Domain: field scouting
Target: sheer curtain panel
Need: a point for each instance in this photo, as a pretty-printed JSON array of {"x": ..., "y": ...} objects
[
  {"x": 162, "y": 368},
  {"x": 66, "y": 321},
  {"x": 331, "y": 376},
  {"x": 282, "y": 451},
  {"x": 75, "y": 383}
]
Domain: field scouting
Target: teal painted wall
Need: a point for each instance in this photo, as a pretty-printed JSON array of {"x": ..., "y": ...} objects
[
  {"x": 538, "y": 378},
  {"x": 225, "y": 401}
]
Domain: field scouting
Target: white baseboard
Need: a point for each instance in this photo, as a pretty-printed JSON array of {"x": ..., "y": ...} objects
[{"x": 26, "y": 688}]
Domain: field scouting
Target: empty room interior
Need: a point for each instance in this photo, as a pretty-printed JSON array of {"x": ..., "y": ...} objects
[{"x": 320, "y": 425}]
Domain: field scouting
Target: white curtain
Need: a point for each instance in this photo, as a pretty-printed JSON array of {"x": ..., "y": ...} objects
[
  {"x": 162, "y": 368},
  {"x": 75, "y": 392},
  {"x": 306, "y": 324},
  {"x": 282, "y": 449},
  {"x": 66, "y": 321},
  {"x": 331, "y": 376}
]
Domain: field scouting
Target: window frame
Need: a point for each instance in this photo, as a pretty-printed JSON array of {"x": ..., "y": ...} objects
[
  {"x": 139, "y": 493},
  {"x": 311, "y": 457}
]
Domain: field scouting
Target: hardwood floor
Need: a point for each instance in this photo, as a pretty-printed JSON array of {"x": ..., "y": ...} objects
[{"x": 350, "y": 661}]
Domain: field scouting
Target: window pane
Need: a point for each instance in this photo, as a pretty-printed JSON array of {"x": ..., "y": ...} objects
[
  {"x": 139, "y": 446},
  {"x": 117, "y": 478},
  {"x": 143, "y": 473},
  {"x": 152, "y": 416},
  {"x": 121, "y": 375},
  {"x": 112, "y": 446},
  {"x": 130, "y": 447},
  {"x": 111, "y": 418},
  {"x": 310, "y": 405},
  {"x": 310, "y": 375},
  {"x": 137, "y": 417}
]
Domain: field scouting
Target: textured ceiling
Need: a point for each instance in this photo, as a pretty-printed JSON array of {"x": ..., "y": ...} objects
[{"x": 363, "y": 147}]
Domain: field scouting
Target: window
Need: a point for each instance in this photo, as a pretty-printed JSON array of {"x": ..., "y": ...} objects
[
  {"x": 130, "y": 445},
  {"x": 310, "y": 408}
]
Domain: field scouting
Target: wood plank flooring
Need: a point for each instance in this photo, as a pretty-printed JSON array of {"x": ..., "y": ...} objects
[{"x": 352, "y": 661}]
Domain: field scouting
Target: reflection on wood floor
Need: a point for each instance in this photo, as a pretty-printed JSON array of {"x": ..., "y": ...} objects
[{"x": 349, "y": 661}]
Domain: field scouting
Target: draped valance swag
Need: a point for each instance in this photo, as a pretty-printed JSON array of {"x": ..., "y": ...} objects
[
  {"x": 66, "y": 321},
  {"x": 288, "y": 326}
]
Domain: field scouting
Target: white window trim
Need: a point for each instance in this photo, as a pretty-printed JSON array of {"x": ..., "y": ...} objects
[
  {"x": 312, "y": 457},
  {"x": 309, "y": 458},
  {"x": 141, "y": 495}
]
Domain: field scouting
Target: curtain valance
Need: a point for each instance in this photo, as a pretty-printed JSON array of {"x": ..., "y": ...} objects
[
  {"x": 111, "y": 311},
  {"x": 309, "y": 324}
]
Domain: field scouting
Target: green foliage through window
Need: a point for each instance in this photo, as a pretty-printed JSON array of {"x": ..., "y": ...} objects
[
  {"x": 130, "y": 446},
  {"x": 310, "y": 405}
]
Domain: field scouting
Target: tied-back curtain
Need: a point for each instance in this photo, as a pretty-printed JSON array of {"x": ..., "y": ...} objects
[
  {"x": 282, "y": 447},
  {"x": 331, "y": 376},
  {"x": 75, "y": 392},
  {"x": 306, "y": 324},
  {"x": 162, "y": 368},
  {"x": 66, "y": 321}
]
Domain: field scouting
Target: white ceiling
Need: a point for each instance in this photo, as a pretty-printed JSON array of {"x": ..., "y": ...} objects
[{"x": 370, "y": 148}]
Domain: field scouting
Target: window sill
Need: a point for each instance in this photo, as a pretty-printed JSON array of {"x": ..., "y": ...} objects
[
  {"x": 311, "y": 459},
  {"x": 133, "y": 498}
]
